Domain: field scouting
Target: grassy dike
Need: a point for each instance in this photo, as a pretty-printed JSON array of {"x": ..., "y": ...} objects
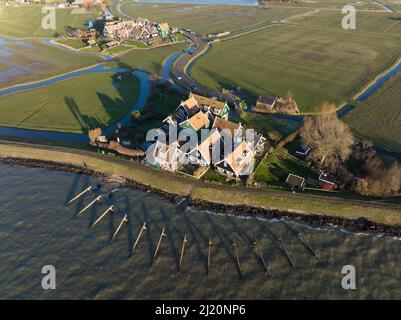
[{"x": 299, "y": 203}]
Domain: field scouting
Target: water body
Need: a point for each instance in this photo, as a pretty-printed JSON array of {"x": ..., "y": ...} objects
[
  {"x": 371, "y": 89},
  {"x": 36, "y": 229}
]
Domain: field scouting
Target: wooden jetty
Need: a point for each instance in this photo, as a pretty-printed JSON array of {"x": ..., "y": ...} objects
[
  {"x": 139, "y": 236},
  {"x": 287, "y": 253},
  {"x": 209, "y": 244},
  {"x": 305, "y": 241},
  {"x": 98, "y": 198},
  {"x": 124, "y": 220},
  {"x": 262, "y": 259},
  {"x": 184, "y": 241},
  {"x": 237, "y": 257},
  {"x": 109, "y": 209},
  {"x": 162, "y": 235},
  {"x": 79, "y": 195}
]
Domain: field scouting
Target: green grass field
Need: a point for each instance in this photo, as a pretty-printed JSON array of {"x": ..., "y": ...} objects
[
  {"x": 315, "y": 65},
  {"x": 379, "y": 117},
  {"x": 73, "y": 43},
  {"x": 150, "y": 60},
  {"x": 324, "y": 4},
  {"x": 73, "y": 105},
  {"x": 207, "y": 18},
  {"x": 366, "y": 22},
  {"x": 26, "y": 21}
]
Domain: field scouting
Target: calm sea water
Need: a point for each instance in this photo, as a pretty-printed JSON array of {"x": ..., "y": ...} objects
[{"x": 36, "y": 229}]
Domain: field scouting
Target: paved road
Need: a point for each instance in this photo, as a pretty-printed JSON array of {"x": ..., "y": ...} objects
[{"x": 180, "y": 70}]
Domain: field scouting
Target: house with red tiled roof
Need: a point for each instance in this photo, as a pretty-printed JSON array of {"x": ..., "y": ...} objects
[
  {"x": 203, "y": 152},
  {"x": 198, "y": 121},
  {"x": 239, "y": 162}
]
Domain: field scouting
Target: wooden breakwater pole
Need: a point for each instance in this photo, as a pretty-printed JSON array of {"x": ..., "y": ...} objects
[
  {"x": 162, "y": 235},
  {"x": 124, "y": 220},
  {"x": 209, "y": 244},
  {"x": 262, "y": 259},
  {"x": 109, "y": 209},
  {"x": 184, "y": 242},
  {"x": 139, "y": 236},
  {"x": 98, "y": 198},
  {"x": 237, "y": 257},
  {"x": 79, "y": 195},
  {"x": 305, "y": 241},
  {"x": 287, "y": 253}
]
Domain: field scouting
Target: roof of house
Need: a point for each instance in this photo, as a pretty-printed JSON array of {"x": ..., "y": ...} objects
[
  {"x": 240, "y": 157},
  {"x": 295, "y": 181},
  {"x": 142, "y": 21},
  {"x": 111, "y": 29},
  {"x": 111, "y": 43},
  {"x": 199, "y": 120},
  {"x": 208, "y": 101},
  {"x": 122, "y": 32},
  {"x": 136, "y": 32},
  {"x": 204, "y": 146},
  {"x": 267, "y": 100},
  {"x": 222, "y": 124},
  {"x": 327, "y": 179},
  {"x": 168, "y": 150},
  {"x": 190, "y": 105},
  {"x": 164, "y": 26}
]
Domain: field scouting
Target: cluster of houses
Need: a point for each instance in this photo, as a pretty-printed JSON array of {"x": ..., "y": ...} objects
[
  {"x": 57, "y": 4},
  {"x": 197, "y": 113},
  {"x": 140, "y": 29}
]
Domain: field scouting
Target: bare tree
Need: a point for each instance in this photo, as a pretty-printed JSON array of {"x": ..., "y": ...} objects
[
  {"x": 328, "y": 137},
  {"x": 388, "y": 183}
]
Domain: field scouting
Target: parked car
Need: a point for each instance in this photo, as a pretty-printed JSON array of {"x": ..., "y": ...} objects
[
  {"x": 177, "y": 76},
  {"x": 193, "y": 86}
]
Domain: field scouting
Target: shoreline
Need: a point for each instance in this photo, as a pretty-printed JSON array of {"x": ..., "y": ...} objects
[{"x": 360, "y": 224}]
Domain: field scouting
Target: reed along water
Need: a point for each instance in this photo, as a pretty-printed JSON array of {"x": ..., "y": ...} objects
[{"x": 37, "y": 229}]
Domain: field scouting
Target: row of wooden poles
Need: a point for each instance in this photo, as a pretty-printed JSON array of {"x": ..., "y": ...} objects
[{"x": 124, "y": 220}]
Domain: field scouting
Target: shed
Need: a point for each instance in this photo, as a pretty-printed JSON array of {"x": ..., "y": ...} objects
[{"x": 295, "y": 181}]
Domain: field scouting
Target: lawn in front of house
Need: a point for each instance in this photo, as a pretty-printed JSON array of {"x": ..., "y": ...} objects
[
  {"x": 275, "y": 167},
  {"x": 72, "y": 105}
]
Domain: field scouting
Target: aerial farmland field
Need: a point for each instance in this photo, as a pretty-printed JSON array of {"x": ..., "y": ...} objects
[
  {"x": 25, "y": 22},
  {"x": 73, "y": 105},
  {"x": 379, "y": 117},
  {"x": 31, "y": 60},
  {"x": 315, "y": 64},
  {"x": 206, "y": 18},
  {"x": 367, "y": 21}
]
